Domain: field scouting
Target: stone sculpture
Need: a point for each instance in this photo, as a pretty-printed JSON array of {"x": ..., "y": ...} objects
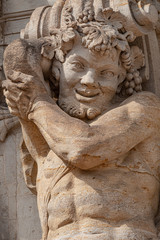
[
  {"x": 7, "y": 120},
  {"x": 91, "y": 135}
]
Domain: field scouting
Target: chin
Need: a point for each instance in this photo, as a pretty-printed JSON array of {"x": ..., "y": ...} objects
[{"x": 77, "y": 109}]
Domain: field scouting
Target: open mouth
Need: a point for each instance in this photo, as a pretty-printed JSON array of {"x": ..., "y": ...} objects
[
  {"x": 84, "y": 95},
  {"x": 87, "y": 93}
]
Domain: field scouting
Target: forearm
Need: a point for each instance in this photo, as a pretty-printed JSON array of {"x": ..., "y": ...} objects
[
  {"x": 59, "y": 129},
  {"x": 84, "y": 145},
  {"x": 35, "y": 142}
]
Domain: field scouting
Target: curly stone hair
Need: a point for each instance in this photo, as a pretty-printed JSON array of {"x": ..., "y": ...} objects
[{"x": 101, "y": 31}]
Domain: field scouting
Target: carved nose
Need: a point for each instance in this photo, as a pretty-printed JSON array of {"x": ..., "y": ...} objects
[{"x": 89, "y": 79}]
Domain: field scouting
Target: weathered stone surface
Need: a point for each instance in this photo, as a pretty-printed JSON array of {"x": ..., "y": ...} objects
[
  {"x": 90, "y": 134},
  {"x": 14, "y": 196},
  {"x": 14, "y": 16}
]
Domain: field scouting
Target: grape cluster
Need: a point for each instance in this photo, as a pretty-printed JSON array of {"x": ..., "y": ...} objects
[
  {"x": 68, "y": 18},
  {"x": 86, "y": 16},
  {"x": 132, "y": 82}
]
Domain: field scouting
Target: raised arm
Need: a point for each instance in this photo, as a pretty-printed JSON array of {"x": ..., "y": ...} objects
[
  {"x": 112, "y": 135},
  {"x": 76, "y": 142}
]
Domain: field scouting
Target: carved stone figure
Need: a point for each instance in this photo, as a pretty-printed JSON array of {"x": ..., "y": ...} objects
[
  {"x": 91, "y": 135},
  {"x": 7, "y": 120}
]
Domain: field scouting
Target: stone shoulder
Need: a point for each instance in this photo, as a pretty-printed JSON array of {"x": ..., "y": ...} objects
[{"x": 145, "y": 98}]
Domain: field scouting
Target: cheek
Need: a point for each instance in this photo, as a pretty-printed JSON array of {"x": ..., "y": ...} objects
[
  {"x": 70, "y": 77},
  {"x": 109, "y": 85},
  {"x": 109, "y": 94}
]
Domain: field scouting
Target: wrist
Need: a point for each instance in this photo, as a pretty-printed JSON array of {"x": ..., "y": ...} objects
[{"x": 39, "y": 102}]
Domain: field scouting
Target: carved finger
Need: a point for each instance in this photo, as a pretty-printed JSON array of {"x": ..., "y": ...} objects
[
  {"x": 14, "y": 111},
  {"x": 5, "y": 84},
  {"x": 14, "y": 76},
  {"x": 9, "y": 88},
  {"x": 23, "y": 87},
  {"x": 28, "y": 81},
  {"x": 19, "y": 77},
  {"x": 11, "y": 96},
  {"x": 27, "y": 85},
  {"x": 11, "y": 103},
  {"x": 15, "y": 87}
]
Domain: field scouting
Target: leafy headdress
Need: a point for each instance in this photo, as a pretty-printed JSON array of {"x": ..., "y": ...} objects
[{"x": 101, "y": 30}]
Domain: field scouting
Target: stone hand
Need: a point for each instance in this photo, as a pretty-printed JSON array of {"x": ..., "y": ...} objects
[{"x": 21, "y": 91}]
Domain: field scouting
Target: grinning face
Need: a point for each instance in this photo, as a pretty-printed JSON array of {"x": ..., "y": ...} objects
[{"x": 88, "y": 82}]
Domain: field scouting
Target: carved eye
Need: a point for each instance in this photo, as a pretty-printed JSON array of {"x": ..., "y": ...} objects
[
  {"x": 107, "y": 74},
  {"x": 78, "y": 66}
]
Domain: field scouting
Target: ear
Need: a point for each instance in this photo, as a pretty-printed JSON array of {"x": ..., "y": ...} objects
[
  {"x": 55, "y": 77},
  {"x": 56, "y": 69}
]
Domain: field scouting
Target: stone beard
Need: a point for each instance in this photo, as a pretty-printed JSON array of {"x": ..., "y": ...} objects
[{"x": 74, "y": 109}]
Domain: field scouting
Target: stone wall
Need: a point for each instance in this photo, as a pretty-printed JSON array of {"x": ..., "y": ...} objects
[{"x": 18, "y": 209}]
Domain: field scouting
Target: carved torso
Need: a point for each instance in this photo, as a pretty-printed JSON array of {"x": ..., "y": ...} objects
[
  {"x": 97, "y": 156},
  {"x": 104, "y": 196}
]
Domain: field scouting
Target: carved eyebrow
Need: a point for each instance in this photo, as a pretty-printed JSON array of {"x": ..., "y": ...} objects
[
  {"x": 109, "y": 67},
  {"x": 78, "y": 58},
  {"x": 86, "y": 63}
]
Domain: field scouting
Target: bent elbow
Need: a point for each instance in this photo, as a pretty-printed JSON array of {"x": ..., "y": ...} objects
[
  {"x": 78, "y": 160},
  {"x": 81, "y": 157},
  {"x": 85, "y": 161}
]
